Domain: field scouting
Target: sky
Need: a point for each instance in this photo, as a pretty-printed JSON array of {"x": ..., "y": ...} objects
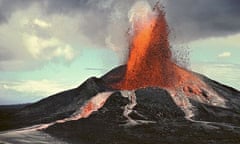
[{"x": 48, "y": 46}]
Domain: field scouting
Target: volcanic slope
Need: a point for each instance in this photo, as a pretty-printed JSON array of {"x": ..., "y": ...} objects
[{"x": 152, "y": 116}]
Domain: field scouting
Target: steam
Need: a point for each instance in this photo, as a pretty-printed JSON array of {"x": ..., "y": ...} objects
[
  {"x": 120, "y": 27},
  {"x": 139, "y": 16},
  {"x": 140, "y": 12}
]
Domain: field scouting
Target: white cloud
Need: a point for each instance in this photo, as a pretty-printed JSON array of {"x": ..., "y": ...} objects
[
  {"x": 32, "y": 39},
  {"x": 224, "y": 55},
  {"x": 41, "y": 23},
  {"x": 41, "y": 87},
  {"x": 47, "y": 49}
]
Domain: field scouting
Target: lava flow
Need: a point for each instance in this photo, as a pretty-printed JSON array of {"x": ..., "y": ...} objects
[{"x": 150, "y": 60}]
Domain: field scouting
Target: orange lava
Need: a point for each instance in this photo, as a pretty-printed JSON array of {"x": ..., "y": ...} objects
[
  {"x": 87, "y": 109},
  {"x": 149, "y": 63}
]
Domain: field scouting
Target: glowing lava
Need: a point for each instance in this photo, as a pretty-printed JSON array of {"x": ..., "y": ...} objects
[{"x": 149, "y": 63}]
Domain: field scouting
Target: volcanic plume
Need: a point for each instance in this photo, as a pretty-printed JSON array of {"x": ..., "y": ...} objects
[
  {"x": 149, "y": 62},
  {"x": 150, "y": 58}
]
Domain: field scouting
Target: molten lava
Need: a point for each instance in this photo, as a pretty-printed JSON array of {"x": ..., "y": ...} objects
[{"x": 149, "y": 63}]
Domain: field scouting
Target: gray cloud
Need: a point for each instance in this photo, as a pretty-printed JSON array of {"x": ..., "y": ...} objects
[
  {"x": 5, "y": 54},
  {"x": 100, "y": 19},
  {"x": 7, "y": 7},
  {"x": 104, "y": 24},
  {"x": 194, "y": 19},
  {"x": 190, "y": 19}
]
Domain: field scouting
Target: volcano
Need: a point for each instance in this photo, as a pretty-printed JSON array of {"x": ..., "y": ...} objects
[{"x": 149, "y": 100}]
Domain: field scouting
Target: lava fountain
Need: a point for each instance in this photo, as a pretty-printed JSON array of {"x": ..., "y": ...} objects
[
  {"x": 149, "y": 62},
  {"x": 150, "y": 59}
]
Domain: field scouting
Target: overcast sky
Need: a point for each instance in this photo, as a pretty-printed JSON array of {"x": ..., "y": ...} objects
[{"x": 47, "y": 46}]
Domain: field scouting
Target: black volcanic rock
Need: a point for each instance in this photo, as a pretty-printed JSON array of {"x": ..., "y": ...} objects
[
  {"x": 155, "y": 119},
  {"x": 156, "y": 104},
  {"x": 7, "y": 115},
  {"x": 109, "y": 126},
  {"x": 230, "y": 94},
  {"x": 55, "y": 107},
  {"x": 115, "y": 75}
]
